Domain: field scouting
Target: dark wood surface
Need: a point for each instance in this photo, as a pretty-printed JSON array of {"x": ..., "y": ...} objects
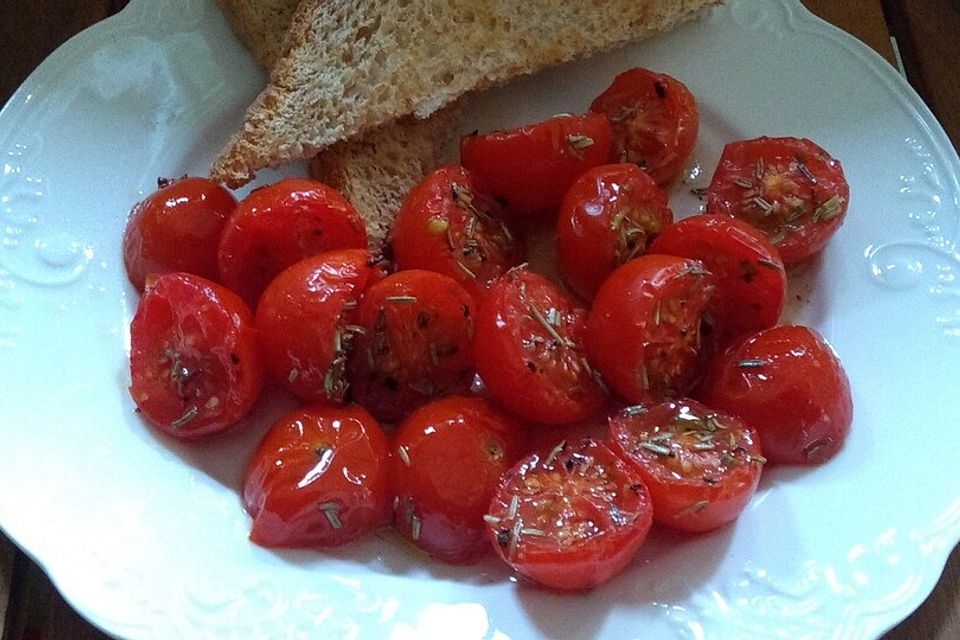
[{"x": 927, "y": 32}]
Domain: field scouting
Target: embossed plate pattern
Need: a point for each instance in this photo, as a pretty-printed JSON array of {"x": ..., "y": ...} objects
[{"x": 147, "y": 538}]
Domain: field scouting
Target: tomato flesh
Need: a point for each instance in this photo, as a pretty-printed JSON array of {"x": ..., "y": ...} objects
[
  {"x": 450, "y": 224},
  {"x": 609, "y": 216},
  {"x": 788, "y": 384},
  {"x": 701, "y": 466},
  {"x": 650, "y": 332},
  {"x": 530, "y": 168},
  {"x": 751, "y": 281},
  {"x": 416, "y": 342},
  {"x": 195, "y": 369},
  {"x": 570, "y": 518},
  {"x": 655, "y": 121},
  {"x": 448, "y": 459},
  {"x": 533, "y": 359},
  {"x": 318, "y": 478},
  {"x": 306, "y": 323},
  {"x": 789, "y": 188}
]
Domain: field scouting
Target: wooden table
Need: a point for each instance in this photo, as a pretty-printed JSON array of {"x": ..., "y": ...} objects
[{"x": 926, "y": 32}]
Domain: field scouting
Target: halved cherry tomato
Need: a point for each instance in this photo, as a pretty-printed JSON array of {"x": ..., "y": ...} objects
[
  {"x": 532, "y": 359},
  {"x": 788, "y": 384},
  {"x": 701, "y": 466},
  {"x": 176, "y": 228},
  {"x": 570, "y": 518},
  {"x": 416, "y": 342},
  {"x": 193, "y": 357},
  {"x": 306, "y": 322},
  {"x": 278, "y": 225},
  {"x": 318, "y": 478},
  {"x": 530, "y": 168},
  {"x": 655, "y": 121},
  {"x": 789, "y": 188},
  {"x": 447, "y": 461},
  {"x": 608, "y": 216},
  {"x": 450, "y": 224},
  {"x": 650, "y": 332},
  {"x": 751, "y": 281}
]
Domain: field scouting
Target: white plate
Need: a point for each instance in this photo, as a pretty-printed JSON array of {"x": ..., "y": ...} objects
[{"x": 147, "y": 537}]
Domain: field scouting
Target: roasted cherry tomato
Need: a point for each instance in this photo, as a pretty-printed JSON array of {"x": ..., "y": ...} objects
[
  {"x": 788, "y": 384},
  {"x": 193, "y": 356},
  {"x": 751, "y": 281},
  {"x": 176, "y": 228},
  {"x": 447, "y": 460},
  {"x": 789, "y": 188},
  {"x": 608, "y": 216},
  {"x": 318, "y": 478},
  {"x": 280, "y": 224},
  {"x": 450, "y": 224},
  {"x": 655, "y": 121},
  {"x": 570, "y": 518},
  {"x": 650, "y": 332},
  {"x": 306, "y": 322},
  {"x": 701, "y": 466},
  {"x": 531, "y": 168},
  {"x": 415, "y": 342},
  {"x": 532, "y": 359}
]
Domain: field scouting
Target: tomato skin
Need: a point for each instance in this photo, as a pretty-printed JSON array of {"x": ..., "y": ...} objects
[
  {"x": 417, "y": 343},
  {"x": 789, "y": 188},
  {"x": 701, "y": 466},
  {"x": 530, "y": 168},
  {"x": 655, "y": 121},
  {"x": 522, "y": 363},
  {"x": 176, "y": 228},
  {"x": 195, "y": 370},
  {"x": 306, "y": 322},
  {"x": 751, "y": 281},
  {"x": 318, "y": 478},
  {"x": 650, "y": 332},
  {"x": 451, "y": 225},
  {"x": 609, "y": 216},
  {"x": 280, "y": 224},
  {"x": 447, "y": 462},
  {"x": 788, "y": 384},
  {"x": 570, "y": 518}
]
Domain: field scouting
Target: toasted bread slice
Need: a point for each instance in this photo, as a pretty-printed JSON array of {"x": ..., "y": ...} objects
[
  {"x": 261, "y": 25},
  {"x": 353, "y": 65}
]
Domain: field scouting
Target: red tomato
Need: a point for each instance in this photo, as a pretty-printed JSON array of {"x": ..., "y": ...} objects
[
  {"x": 450, "y": 224},
  {"x": 277, "y": 226},
  {"x": 790, "y": 189},
  {"x": 318, "y": 478},
  {"x": 701, "y": 466},
  {"x": 530, "y": 168},
  {"x": 193, "y": 357},
  {"x": 306, "y": 322},
  {"x": 650, "y": 332},
  {"x": 448, "y": 459},
  {"x": 532, "y": 360},
  {"x": 655, "y": 121},
  {"x": 572, "y": 518},
  {"x": 751, "y": 282},
  {"x": 416, "y": 342},
  {"x": 176, "y": 228},
  {"x": 788, "y": 384},
  {"x": 608, "y": 216}
]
